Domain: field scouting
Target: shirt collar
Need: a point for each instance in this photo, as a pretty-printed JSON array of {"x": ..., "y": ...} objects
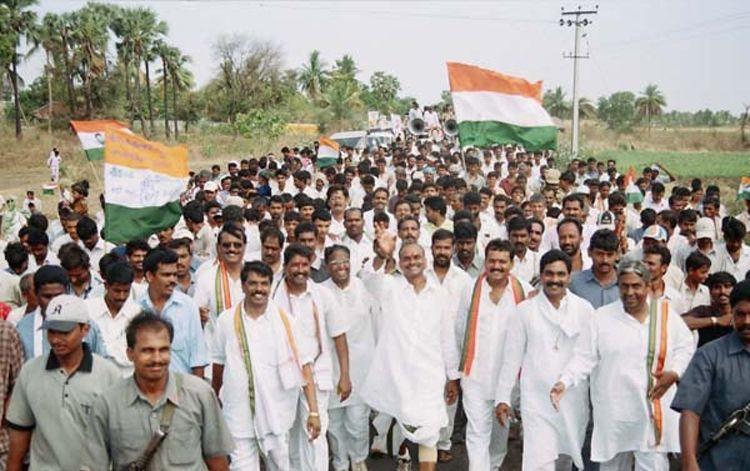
[
  {"x": 735, "y": 344},
  {"x": 171, "y": 394},
  {"x": 87, "y": 362}
]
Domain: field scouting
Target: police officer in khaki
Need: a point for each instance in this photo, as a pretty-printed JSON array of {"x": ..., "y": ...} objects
[
  {"x": 51, "y": 403},
  {"x": 156, "y": 419}
]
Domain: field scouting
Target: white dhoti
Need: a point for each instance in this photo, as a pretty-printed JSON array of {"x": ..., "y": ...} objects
[
  {"x": 637, "y": 461},
  {"x": 246, "y": 455},
  {"x": 444, "y": 443},
  {"x": 304, "y": 454},
  {"x": 349, "y": 435}
]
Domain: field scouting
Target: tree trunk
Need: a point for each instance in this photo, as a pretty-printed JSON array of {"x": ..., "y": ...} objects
[
  {"x": 167, "y": 131},
  {"x": 128, "y": 93},
  {"x": 148, "y": 98},
  {"x": 87, "y": 90},
  {"x": 16, "y": 103},
  {"x": 139, "y": 108},
  {"x": 72, "y": 105},
  {"x": 49, "y": 94},
  {"x": 174, "y": 107}
]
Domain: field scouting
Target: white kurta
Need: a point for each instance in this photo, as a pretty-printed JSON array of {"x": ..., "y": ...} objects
[
  {"x": 414, "y": 357},
  {"x": 276, "y": 376},
  {"x": 113, "y": 329},
  {"x": 539, "y": 343},
  {"x": 205, "y": 296},
  {"x": 615, "y": 358},
  {"x": 360, "y": 310},
  {"x": 491, "y": 332}
]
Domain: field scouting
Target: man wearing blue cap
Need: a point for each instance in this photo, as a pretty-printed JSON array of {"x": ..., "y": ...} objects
[{"x": 54, "y": 392}]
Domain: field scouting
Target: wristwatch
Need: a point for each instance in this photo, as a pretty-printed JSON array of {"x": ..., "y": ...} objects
[{"x": 714, "y": 321}]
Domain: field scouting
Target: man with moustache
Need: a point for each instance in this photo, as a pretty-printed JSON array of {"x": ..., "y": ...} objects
[
  {"x": 598, "y": 284},
  {"x": 569, "y": 233},
  {"x": 712, "y": 388},
  {"x": 639, "y": 348},
  {"x": 480, "y": 328},
  {"x": 155, "y": 400},
  {"x": 414, "y": 368},
  {"x": 322, "y": 327},
  {"x": 714, "y": 320},
  {"x": 467, "y": 256},
  {"x": 218, "y": 287},
  {"x": 542, "y": 335},
  {"x": 525, "y": 261},
  {"x": 348, "y": 431},
  {"x": 455, "y": 282},
  {"x": 258, "y": 373},
  {"x": 162, "y": 299},
  {"x": 359, "y": 245}
]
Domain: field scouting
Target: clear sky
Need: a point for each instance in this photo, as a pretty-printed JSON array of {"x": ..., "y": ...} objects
[{"x": 697, "y": 51}]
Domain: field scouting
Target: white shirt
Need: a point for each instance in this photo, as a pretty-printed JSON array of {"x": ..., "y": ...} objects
[
  {"x": 276, "y": 374},
  {"x": 361, "y": 312},
  {"x": 688, "y": 300},
  {"x": 359, "y": 252},
  {"x": 205, "y": 296},
  {"x": 725, "y": 263},
  {"x": 318, "y": 318},
  {"x": 113, "y": 329},
  {"x": 527, "y": 268},
  {"x": 615, "y": 358},
  {"x": 96, "y": 254},
  {"x": 540, "y": 341},
  {"x": 10, "y": 292},
  {"x": 414, "y": 355},
  {"x": 492, "y": 325}
]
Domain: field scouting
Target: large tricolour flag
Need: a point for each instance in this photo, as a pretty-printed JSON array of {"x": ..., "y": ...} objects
[
  {"x": 744, "y": 191},
  {"x": 91, "y": 134},
  {"x": 328, "y": 152},
  {"x": 143, "y": 182},
  {"x": 492, "y": 108}
]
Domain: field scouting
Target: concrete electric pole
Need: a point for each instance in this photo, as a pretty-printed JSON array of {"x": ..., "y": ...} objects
[{"x": 577, "y": 18}]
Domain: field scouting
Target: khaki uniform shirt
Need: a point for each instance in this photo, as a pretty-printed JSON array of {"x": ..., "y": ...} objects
[
  {"x": 57, "y": 407},
  {"x": 123, "y": 421}
]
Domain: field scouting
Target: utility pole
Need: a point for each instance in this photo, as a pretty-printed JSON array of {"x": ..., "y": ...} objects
[{"x": 577, "y": 18}]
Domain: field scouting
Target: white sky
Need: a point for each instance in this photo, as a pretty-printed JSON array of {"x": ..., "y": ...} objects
[{"x": 697, "y": 51}]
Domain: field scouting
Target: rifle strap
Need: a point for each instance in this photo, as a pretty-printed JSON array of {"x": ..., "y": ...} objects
[{"x": 169, "y": 408}]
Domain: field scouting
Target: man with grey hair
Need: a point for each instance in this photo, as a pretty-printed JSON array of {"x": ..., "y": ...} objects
[{"x": 637, "y": 349}]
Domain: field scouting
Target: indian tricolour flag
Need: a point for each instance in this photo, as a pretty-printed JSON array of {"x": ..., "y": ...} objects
[
  {"x": 328, "y": 152},
  {"x": 492, "y": 108},
  {"x": 91, "y": 135},
  {"x": 143, "y": 182},
  {"x": 633, "y": 194},
  {"x": 744, "y": 191}
]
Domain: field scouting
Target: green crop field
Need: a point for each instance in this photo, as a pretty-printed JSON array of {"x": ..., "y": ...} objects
[{"x": 685, "y": 165}]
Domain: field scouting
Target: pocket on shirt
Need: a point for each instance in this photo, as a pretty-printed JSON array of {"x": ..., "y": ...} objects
[
  {"x": 289, "y": 374},
  {"x": 184, "y": 446}
]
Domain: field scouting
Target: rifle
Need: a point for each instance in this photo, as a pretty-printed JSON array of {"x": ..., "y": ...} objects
[
  {"x": 731, "y": 424},
  {"x": 141, "y": 464}
]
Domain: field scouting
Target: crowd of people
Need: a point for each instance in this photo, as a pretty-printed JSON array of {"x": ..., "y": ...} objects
[{"x": 432, "y": 293}]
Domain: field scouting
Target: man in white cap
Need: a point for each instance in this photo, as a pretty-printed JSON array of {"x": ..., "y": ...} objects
[
  {"x": 54, "y": 392},
  {"x": 210, "y": 191}
]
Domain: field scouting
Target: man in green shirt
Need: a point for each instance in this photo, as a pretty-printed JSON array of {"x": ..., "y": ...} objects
[{"x": 155, "y": 401}]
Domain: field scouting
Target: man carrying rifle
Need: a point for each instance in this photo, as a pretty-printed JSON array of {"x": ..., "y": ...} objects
[
  {"x": 712, "y": 393},
  {"x": 156, "y": 419}
]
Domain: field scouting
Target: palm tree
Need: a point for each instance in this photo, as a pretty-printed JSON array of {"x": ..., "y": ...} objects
[
  {"x": 312, "y": 76},
  {"x": 346, "y": 68},
  {"x": 174, "y": 73},
  {"x": 342, "y": 98},
  {"x": 650, "y": 103},
  {"x": 90, "y": 35},
  {"x": 556, "y": 103},
  {"x": 150, "y": 28},
  {"x": 163, "y": 50},
  {"x": 17, "y": 21},
  {"x": 586, "y": 108}
]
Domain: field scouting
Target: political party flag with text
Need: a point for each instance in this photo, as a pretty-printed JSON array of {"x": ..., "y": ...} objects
[
  {"x": 328, "y": 152},
  {"x": 492, "y": 108},
  {"x": 143, "y": 181},
  {"x": 91, "y": 135}
]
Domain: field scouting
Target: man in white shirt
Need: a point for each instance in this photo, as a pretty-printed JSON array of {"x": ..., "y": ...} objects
[
  {"x": 481, "y": 324},
  {"x": 348, "y": 430},
  {"x": 359, "y": 245},
  {"x": 692, "y": 291},
  {"x": 733, "y": 255},
  {"x": 112, "y": 311},
  {"x": 258, "y": 369},
  {"x": 89, "y": 240},
  {"x": 525, "y": 261},
  {"x": 541, "y": 339},
  {"x": 320, "y": 323},
  {"x": 416, "y": 353},
  {"x": 639, "y": 348}
]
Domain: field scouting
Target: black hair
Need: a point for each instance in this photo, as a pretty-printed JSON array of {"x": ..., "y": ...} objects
[
  {"x": 648, "y": 217},
  {"x": 272, "y": 232},
  {"x": 517, "y": 224},
  {"x": 330, "y": 251},
  {"x": 696, "y": 260},
  {"x": 660, "y": 250},
  {"x": 305, "y": 226},
  {"x": 257, "y": 267},
  {"x": 740, "y": 292},
  {"x": 296, "y": 249},
  {"x": 39, "y": 221},
  {"x": 234, "y": 230},
  {"x": 134, "y": 245},
  {"x": 499, "y": 245},
  {"x": 604, "y": 239},
  {"x": 555, "y": 255},
  {"x": 404, "y": 219},
  {"x": 720, "y": 278},
  {"x": 48, "y": 275},
  {"x": 436, "y": 203},
  {"x": 147, "y": 321},
  {"x": 37, "y": 237},
  {"x": 575, "y": 222},
  {"x": 86, "y": 228},
  {"x": 15, "y": 255},
  {"x": 733, "y": 229},
  {"x": 442, "y": 234},
  {"x": 73, "y": 256},
  {"x": 158, "y": 256},
  {"x": 321, "y": 214},
  {"x": 119, "y": 272}
]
